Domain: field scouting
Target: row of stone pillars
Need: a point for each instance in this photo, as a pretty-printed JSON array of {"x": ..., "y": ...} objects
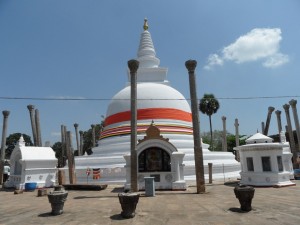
[
  {"x": 224, "y": 135},
  {"x": 68, "y": 151},
  {"x": 289, "y": 129},
  {"x": 265, "y": 127},
  {"x": 79, "y": 137}
]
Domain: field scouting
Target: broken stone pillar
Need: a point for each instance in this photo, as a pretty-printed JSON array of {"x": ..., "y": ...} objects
[
  {"x": 270, "y": 110},
  {"x": 262, "y": 127},
  {"x": 70, "y": 155},
  {"x": 93, "y": 135},
  {"x": 224, "y": 142},
  {"x": 293, "y": 103},
  {"x": 77, "y": 139},
  {"x": 3, "y": 144},
  {"x": 63, "y": 146},
  {"x": 290, "y": 132},
  {"x": 278, "y": 115},
  {"x": 38, "y": 128},
  {"x": 81, "y": 142},
  {"x": 237, "y": 135},
  {"x": 33, "y": 126}
]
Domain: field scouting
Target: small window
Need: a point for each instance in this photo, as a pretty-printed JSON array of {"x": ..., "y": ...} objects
[
  {"x": 266, "y": 163},
  {"x": 250, "y": 166},
  {"x": 279, "y": 162}
]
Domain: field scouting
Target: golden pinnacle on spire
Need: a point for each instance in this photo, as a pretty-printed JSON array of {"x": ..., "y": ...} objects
[{"x": 145, "y": 24}]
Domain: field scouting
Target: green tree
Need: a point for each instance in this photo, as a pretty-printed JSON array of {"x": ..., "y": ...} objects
[
  {"x": 87, "y": 138},
  {"x": 57, "y": 148},
  {"x": 231, "y": 142},
  {"x": 12, "y": 140},
  {"x": 209, "y": 105},
  {"x": 216, "y": 142}
]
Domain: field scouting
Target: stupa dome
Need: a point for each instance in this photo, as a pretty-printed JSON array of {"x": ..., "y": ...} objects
[
  {"x": 156, "y": 99},
  {"x": 150, "y": 96}
]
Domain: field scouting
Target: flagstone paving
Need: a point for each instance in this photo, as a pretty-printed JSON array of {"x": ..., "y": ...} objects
[{"x": 218, "y": 206}]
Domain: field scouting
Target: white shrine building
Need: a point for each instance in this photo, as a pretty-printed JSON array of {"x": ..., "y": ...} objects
[
  {"x": 159, "y": 102},
  {"x": 30, "y": 164},
  {"x": 265, "y": 163}
]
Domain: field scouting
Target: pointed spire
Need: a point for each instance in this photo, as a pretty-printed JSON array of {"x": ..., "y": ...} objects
[
  {"x": 21, "y": 141},
  {"x": 146, "y": 52},
  {"x": 145, "y": 24}
]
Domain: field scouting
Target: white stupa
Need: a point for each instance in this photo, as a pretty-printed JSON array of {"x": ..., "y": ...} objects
[{"x": 158, "y": 102}]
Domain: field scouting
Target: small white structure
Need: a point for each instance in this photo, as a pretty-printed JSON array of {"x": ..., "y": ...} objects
[
  {"x": 265, "y": 163},
  {"x": 32, "y": 164},
  {"x": 158, "y": 158}
]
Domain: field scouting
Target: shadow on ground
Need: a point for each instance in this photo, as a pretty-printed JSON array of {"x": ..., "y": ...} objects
[
  {"x": 232, "y": 183},
  {"x": 118, "y": 217},
  {"x": 86, "y": 197},
  {"x": 118, "y": 190},
  {"x": 237, "y": 210},
  {"x": 48, "y": 214}
]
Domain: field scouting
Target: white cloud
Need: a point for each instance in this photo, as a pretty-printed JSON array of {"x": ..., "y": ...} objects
[
  {"x": 55, "y": 134},
  {"x": 276, "y": 60},
  {"x": 258, "y": 44},
  {"x": 213, "y": 60}
]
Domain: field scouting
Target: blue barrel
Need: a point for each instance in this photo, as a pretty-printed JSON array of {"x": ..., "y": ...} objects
[{"x": 30, "y": 186}]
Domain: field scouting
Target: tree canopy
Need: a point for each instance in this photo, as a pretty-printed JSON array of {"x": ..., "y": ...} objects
[
  {"x": 209, "y": 105},
  {"x": 217, "y": 141},
  {"x": 12, "y": 140},
  {"x": 88, "y": 138}
]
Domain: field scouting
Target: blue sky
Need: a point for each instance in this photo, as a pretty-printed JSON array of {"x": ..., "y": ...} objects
[{"x": 80, "y": 49}]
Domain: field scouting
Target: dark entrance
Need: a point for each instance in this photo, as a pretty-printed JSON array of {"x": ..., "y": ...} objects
[{"x": 154, "y": 159}]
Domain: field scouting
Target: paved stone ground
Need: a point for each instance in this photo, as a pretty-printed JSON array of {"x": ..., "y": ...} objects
[{"x": 218, "y": 206}]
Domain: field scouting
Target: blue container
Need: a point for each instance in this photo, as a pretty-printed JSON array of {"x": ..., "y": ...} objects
[
  {"x": 30, "y": 186},
  {"x": 297, "y": 174}
]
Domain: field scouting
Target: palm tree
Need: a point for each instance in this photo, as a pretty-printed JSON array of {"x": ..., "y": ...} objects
[{"x": 209, "y": 105}]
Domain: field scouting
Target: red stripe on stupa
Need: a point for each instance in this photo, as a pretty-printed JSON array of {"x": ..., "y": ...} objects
[{"x": 150, "y": 114}]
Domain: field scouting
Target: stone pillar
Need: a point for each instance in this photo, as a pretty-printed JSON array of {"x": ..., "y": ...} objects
[
  {"x": 290, "y": 132},
  {"x": 81, "y": 142},
  {"x": 278, "y": 115},
  {"x": 133, "y": 67},
  {"x": 93, "y": 135},
  {"x": 293, "y": 103},
  {"x": 77, "y": 138},
  {"x": 224, "y": 146},
  {"x": 33, "y": 126},
  {"x": 63, "y": 146},
  {"x": 270, "y": 110},
  {"x": 198, "y": 153},
  {"x": 3, "y": 143},
  {"x": 237, "y": 135},
  {"x": 38, "y": 128},
  {"x": 70, "y": 155},
  {"x": 210, "y": 173},
  {"x": 262, "y": 127}
]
